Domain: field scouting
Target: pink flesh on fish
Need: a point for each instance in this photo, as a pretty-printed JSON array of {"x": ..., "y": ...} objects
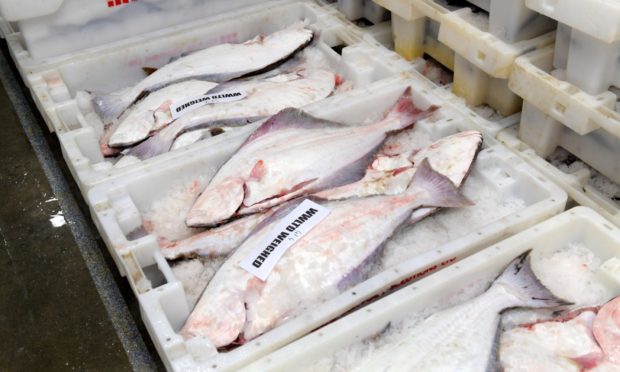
[{"x": 606, "y": 330}]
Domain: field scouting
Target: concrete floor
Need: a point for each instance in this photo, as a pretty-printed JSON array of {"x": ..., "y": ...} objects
[{"x": 61, "y": 308}]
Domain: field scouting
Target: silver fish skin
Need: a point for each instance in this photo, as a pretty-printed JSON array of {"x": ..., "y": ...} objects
[
  {"x": 153, "y": 112},
  {"x": 329, "y": 258},
  {"x": 265, "y": 98},
  {"x": 217, "y": 64},
  {"x": 280, "y": 161},
  {"x": 463, "y": 337},
  {"x": 450, "y": 156}
]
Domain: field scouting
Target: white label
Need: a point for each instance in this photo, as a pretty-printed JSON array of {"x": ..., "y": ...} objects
[
  {"x": 287, "y": 232},
  {"x": 188, "y": 105}
]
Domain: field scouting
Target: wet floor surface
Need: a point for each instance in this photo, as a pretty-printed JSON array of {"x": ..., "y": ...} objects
[{"x": 53, "y": 316}]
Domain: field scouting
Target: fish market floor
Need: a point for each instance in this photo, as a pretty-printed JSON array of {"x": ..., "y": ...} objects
[{"x": 62, "y": 307}]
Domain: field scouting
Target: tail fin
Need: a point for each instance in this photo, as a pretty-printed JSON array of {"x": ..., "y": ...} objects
[
  {"x": 406, "y": 113},
  {"x": 110, "y": 106},
  {"x": 521, "y": 281},
  {"x": 440, "y": 190}
]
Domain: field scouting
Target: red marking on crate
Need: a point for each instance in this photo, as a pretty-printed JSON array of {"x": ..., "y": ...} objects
[{"x": 113, "y": 3}]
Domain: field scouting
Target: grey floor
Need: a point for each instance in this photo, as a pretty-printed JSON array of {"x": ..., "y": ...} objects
[{"x": 61, "y": 306}]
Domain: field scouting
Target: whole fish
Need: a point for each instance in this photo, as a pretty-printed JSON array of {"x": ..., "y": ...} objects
[
  {"x": 264, "y": 98},
  {"x": 463, "y": 337},
  {"x": 294, "y": 154},
  {"x": 153, "y": 112},
  {"x": 450, "y": 156},
  {"x": 217, "y": 64},
  {"x": 329, "y": 258}
]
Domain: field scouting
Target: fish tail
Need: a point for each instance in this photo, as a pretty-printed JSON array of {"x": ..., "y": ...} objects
[
  {"x": 522, "y": 282},
  {"x": 440, "y": 191},
  {"x": 110, "y": 106},
  {"x": 405, "y": 112}
]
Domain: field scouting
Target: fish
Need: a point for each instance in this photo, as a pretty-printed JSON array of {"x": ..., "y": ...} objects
[
  {"x": 153, "y": 112},
  {"x": 280, "y": 161},
  {"x": 216, "y": 64},
  {"x": 330, "y": 258},
  {"x": 264, "y": 98},
  {"x": 464, "y": 337},
  {"x": 384, "y": 177}
]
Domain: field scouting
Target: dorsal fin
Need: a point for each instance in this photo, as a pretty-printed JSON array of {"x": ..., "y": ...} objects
[
  {"x": 290, "y": 118},
  {"x": 149, "y": 70}
]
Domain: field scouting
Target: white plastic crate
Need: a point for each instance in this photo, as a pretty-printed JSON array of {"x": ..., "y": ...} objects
[
  {"x": 557, "y": 113},
  {"x": 79, "y": 129},
  {"x": 117, "y": 207},
  {"x": 580, "y": 185},
  {"x": 462, "y": 41},
  {"x": 356, "y": 9},
  {"x": 590, "y": 35},
  {"x": 577, "y": 226}
]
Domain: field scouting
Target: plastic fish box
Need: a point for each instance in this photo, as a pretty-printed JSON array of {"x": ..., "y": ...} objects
[
  {"x": 463, "y": 41},
  {"x": 557, "y": 113},
  {"x": 583, "y": 185},
  {"x": 42, "y": 33},
  {"x": 511, "y": 196},
  {"x": 79, "y": 128},
  {"x": 579, "y": 226},
  {"x": 588, "y": 45}
]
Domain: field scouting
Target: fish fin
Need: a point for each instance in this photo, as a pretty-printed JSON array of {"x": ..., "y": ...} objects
[
  {"x": 217, "y": 204},
  {"x": 441, "y": 191},
  {"x": 523, "y": 283},
  {"x": 350, "y": 173},
  {"x": 149, "y": 70},
  {"x": 290, "y": 118},
  {"x": 110, "y": 106},
  {"x": 405, "y": 113},
  {"x": 220, "y": 321},
  {"x": 152, "y": 146}
]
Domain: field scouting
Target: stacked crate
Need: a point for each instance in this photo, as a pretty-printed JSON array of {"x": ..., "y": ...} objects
[
  {"x": 570, "y": 93},
  {"x": 479, "y": 41}
]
